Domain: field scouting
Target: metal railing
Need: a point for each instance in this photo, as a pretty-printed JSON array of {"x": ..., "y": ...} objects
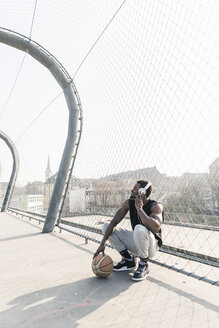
[{"x": 81, "y": 229}]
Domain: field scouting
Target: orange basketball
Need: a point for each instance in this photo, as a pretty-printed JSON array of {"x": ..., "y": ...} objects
[{"x": 102, "y": 265}]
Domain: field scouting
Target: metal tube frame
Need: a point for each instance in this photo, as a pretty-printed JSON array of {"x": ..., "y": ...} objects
[
  {"x": 35, "y": 50},
  {"x": 14, "y": 172}
]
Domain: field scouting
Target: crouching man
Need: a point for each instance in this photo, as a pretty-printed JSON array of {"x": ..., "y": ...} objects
[{"x": 144, "y": 240}]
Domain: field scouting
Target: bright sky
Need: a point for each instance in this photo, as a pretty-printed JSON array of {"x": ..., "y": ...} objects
[{"x": 148, "y": 88}]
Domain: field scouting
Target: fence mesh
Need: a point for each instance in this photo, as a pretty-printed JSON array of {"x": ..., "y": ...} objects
[
  {"x": 151, "y": 112},
  {"x": 147, "y": 76}
]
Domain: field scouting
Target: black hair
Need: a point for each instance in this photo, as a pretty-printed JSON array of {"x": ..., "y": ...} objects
[{"x": 143, "y": 183}]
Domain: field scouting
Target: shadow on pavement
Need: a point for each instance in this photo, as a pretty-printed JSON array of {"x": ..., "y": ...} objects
[
  {"x": 20, "y": 236},
  {"x": 62, "y": 306},
  {"x": 181, "y": 292}
]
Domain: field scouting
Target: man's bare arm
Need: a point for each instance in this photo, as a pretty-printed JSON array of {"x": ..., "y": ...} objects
[
  {"x": 119, "y": 215},
  {"x": 152, "y": 222}
]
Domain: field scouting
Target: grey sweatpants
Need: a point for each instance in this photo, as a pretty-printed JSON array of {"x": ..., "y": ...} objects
[{"x": 140, "y": 242}]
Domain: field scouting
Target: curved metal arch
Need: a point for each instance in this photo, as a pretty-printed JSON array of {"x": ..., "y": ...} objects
[
  {"x": 25, "y": 44},
  {"x": 14, "y": 172}
]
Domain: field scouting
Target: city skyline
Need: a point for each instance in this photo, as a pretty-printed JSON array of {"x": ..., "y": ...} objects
[{"x": 18, "y": 183}]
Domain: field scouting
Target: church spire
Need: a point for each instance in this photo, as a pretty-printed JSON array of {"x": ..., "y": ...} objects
[{"x": 48, "y": 169}]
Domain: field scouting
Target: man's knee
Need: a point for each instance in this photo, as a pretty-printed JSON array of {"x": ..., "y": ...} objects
[
  {"x": 105, "y": 226},
  {"x": 141, "y": 231}
]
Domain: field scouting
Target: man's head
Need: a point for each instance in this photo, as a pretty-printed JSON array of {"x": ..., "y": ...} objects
[{"x": 141, "y": 184}]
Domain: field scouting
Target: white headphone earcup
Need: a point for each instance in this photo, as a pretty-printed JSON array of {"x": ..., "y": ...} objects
[{"x": 141, "y": 191}]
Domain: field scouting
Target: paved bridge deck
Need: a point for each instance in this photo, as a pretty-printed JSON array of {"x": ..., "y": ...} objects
[{"x": 47, "y": 281}]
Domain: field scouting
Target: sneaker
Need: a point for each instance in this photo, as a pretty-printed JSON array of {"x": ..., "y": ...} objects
[
  {"x": 141, "y": 273},
  {"x": 125, "y": 265}
]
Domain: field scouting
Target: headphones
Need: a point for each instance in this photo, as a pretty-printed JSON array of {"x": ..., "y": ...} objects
[{"x": 142, "y": 191}]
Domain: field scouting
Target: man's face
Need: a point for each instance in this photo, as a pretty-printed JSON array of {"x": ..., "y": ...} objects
[{"x": 134, "y": 191}]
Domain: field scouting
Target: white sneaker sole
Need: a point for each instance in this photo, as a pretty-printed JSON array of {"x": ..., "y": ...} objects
[
  {"x": 124, "y": 269},
  {"x": 142, "y": 278}
]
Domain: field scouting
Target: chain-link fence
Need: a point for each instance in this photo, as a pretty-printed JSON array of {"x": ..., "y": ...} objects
[
  {"x": 147, "y": 76},
  {"x": 151, "y": 113}
]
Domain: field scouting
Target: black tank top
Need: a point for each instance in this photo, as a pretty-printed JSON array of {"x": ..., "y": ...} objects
[{"x": 135, "y": 219}]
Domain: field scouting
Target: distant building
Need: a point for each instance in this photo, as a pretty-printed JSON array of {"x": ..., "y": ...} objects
[
  {"x": 89, "y": 199},
  {"x": 3, "y": 187},
  {"x": 48, "y": 172},
  {"x": 35, "y": 188},
  {"x": 107, "y": 193},
  {"x": 48, "y": 189},
  {"x": 31, "y": 203},
  {"x": 81, "y": 200},
  {"x": 77, "y": 200},
  {"x": 150, "y": 173},
  {"x": 198, "y": 178},
  {"x": 214, "y": 181}
]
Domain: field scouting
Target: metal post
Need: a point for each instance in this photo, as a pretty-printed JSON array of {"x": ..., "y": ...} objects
[{"x": 14, "y": 172}]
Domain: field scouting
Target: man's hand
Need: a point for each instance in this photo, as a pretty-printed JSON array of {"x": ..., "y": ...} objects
[
  {"x": 100, "y": 249},
  {"x": 139, "y": 202}
]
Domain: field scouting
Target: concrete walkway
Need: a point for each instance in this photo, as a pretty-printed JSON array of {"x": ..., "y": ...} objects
[{"x": 46, "y": 281}]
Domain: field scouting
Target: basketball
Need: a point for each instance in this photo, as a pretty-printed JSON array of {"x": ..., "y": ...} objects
[{"x": 102, "y": 265}]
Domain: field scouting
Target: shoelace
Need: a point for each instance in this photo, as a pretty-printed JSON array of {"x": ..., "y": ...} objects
[
  {"x": 122, "y": 261},
  {"x": 141, "y": 268}
]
